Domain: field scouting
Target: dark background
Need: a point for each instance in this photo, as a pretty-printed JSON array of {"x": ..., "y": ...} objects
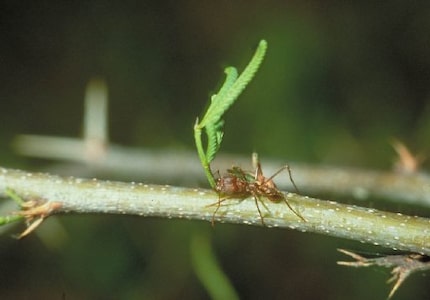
[{"x": 339, "y": 81}]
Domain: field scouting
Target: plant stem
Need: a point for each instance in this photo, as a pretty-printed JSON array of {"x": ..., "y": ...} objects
[
  {"x": 76, "y": 195},
  {"x": 202, "y": 155}
]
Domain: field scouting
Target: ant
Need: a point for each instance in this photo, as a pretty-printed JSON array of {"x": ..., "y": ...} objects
[{"x": 240, "y": 184}]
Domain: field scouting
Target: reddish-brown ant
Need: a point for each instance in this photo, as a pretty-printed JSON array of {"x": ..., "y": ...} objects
[{"x": 240, "y": 184}]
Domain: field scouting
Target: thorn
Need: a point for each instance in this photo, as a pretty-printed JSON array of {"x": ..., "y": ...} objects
[
  {"x": 33, "y": 209},
  {"x": 406, "y": 163},
  {"x": 400, "y": 274},
  {"x": 360, "y": 260},
  {"x": 403, "y": 265},
  {"x": 31, "y": 228}
]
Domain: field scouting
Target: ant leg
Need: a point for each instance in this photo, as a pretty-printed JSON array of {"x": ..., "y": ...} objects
[
  {"x": 218, "y": 205},
  {"x": 256, "y": 199},
  {"x": 289, "y": 173},
  {"x": 291, "y": 178},
  {"x": 216, "y": 210},
  {"x": 293, "y": 210}
]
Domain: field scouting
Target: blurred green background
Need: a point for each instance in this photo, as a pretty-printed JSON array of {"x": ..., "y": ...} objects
[{"x": 339, "y": 81}]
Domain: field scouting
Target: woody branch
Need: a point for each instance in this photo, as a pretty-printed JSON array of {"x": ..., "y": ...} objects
[{"x": 76, "y": 195}]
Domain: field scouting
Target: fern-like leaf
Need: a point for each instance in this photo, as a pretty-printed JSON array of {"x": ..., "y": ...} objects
[
  {"x": 231, "y": 91},
  {"x": 212, "y": 121},
  {"x": 212, "y": 116},
  {"x": 215, "y": 134}
]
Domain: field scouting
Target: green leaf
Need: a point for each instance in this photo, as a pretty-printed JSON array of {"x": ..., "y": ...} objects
[
  {"x": 212, "y": 115},
  {"x": 212, "y": 121},
  {"x": 232, "y": 87},
  {"x": 215, "y": 135},
  {"x": 9, "y": 219}
]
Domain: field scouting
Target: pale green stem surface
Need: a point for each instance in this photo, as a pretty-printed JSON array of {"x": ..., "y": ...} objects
[{"x": 76, "y": 195}]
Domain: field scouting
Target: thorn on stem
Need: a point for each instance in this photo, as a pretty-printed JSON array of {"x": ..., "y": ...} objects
[
  {"x": 403, "y": 265},
  {"x": 34, "y": 212},
  {"x": 406, "y": 163}
]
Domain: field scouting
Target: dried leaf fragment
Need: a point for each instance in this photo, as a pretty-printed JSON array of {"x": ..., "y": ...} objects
[
  {"x": 403, "y": 265},
  {"x": 35, "y": 212}
]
